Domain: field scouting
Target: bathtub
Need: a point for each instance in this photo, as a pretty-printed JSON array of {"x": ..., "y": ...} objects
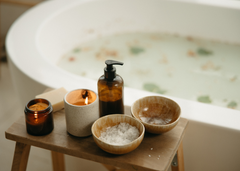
[{"x": 40, "y": 36}]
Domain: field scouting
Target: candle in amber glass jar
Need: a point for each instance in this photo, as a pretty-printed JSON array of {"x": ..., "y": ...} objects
[{"x": 39, "y": 118}]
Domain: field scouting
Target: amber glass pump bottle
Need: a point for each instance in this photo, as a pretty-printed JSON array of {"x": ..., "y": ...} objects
[{"x": 110, "y": 90}]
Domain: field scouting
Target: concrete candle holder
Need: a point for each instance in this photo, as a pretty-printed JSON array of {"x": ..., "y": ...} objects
[{"x": 81, "y": 111}]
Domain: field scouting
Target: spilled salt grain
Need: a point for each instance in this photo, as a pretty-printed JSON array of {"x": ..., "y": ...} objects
[{"x": 120, "y": 134}]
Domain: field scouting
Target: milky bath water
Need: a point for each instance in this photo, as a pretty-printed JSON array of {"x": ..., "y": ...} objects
[{"x": 186, "y": 67}]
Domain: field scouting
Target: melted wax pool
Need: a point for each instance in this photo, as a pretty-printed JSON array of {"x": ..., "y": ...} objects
[{"x": 185, "y": 67}]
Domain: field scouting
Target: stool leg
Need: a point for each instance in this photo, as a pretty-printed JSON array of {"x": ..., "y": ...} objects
[
  {"x": 180, "y": 160},
  {"x": 20, "y": 158},
  {"x": 58, "y": 161},
  {"x": 180, "y": 157}
]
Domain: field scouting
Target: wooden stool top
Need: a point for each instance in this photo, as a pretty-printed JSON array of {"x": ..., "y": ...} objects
[{"x": 154, "y": 153}]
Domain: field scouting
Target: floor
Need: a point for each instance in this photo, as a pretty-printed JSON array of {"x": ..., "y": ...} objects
[{"x": 10, "y": 111}]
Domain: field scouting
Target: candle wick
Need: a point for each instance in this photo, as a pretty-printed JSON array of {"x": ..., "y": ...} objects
[{"x": 85, "y": 94}]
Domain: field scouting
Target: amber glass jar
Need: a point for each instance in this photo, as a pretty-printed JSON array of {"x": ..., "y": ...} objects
[{"x": 39, "y": 117}]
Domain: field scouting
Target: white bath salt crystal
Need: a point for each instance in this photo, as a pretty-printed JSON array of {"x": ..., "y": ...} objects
[
  {"x": 151, "y": 148},
  {"x": 155, "y": 120},
  {"x": 121, "y": 134},
  {"x": 158, "y": 158},
  {"x": 145, "y": 119},
  {"x": 149, "y": 155}
]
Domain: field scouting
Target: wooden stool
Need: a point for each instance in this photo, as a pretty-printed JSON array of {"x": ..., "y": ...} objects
[{"x": 156, "y": 152}]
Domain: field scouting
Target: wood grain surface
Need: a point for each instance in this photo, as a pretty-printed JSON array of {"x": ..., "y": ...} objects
[{"x": 154, "y": 153}]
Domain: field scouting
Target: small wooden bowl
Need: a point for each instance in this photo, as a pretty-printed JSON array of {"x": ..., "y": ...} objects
[
  {"x": 101, "y": 125},
  {"x": 159, "y": 109}
]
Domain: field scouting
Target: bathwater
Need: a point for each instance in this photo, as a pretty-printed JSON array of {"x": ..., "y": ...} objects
[{"x": 186, "y": 67}]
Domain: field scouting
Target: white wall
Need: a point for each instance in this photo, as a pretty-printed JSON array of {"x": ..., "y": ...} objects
[{"x": 9, "y": 12}]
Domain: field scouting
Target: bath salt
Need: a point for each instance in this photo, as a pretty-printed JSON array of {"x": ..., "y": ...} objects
[
  {"x": 155, "y": 120},
  {"x": 120, "y": 134}
]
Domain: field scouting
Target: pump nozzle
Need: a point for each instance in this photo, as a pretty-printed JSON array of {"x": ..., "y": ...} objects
[
  {"x": 110, "y": 71},
  {"x": 110, "y": 64}
]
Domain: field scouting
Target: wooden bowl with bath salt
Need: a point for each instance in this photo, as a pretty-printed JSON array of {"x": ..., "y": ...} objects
[
  {"x": 118, "y": 133},
  {"x": 158, "y": 114}
]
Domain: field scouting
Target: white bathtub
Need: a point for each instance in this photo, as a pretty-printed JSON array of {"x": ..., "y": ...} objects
[{"x": 44, "y": 33}]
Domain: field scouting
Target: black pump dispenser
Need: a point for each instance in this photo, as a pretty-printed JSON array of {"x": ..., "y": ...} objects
[{"x": 110, "y": 70}]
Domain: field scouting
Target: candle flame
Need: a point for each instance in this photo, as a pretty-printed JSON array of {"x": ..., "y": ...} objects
[{"x": 86, "y": 101}]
